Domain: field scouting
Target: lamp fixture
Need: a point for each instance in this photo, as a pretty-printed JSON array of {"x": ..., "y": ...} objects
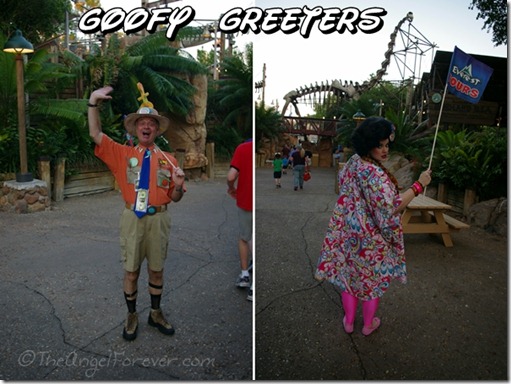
[
  {"x": 18, "y": 44},
  {"x": 359, "y": 116}
]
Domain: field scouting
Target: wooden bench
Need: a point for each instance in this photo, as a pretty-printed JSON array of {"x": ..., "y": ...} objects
[{"x": 454, "y": 224}]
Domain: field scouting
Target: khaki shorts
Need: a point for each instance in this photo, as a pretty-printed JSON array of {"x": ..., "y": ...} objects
[{"x": 145, "y": 238}]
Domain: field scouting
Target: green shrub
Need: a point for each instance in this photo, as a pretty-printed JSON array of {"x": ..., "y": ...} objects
[{"x": 475, "y": 160}]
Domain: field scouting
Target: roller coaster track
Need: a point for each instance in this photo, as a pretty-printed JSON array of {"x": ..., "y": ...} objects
[
  {"x": 190, "y": 40},
  {"x": 337, "y": 90}
]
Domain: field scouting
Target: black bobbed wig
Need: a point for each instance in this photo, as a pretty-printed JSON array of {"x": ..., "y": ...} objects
[{"x": 369, "y": 134}]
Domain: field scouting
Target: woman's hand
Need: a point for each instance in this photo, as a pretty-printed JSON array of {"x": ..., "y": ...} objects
[{"x": 425, "y": 177}]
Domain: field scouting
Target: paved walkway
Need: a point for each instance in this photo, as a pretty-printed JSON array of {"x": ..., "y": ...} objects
[
  {"x": 63, "y": 308},
  {"x": 448, "y": 322}
]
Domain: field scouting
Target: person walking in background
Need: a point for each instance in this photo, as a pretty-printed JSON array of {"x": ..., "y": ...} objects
[
  {"x": 285, "y": 163},
  {"x": 285, "y": 151},
  {"x": 290, "y": 157},
  {"x": 277, "y": 170},
  {"x": 308, "y": 158},
  {"x": 298, "y": 157},
  {"x": 239, "y": 183},
  {"x": 363, "y": 249},
  {"x": 149, "y": 180}
]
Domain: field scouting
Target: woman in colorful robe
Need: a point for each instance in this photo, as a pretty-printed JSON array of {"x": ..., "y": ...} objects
[{"x": 363, "y": 249}]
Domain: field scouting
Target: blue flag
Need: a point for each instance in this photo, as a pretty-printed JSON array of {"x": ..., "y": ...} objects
[{"x": 467, "y": 77}]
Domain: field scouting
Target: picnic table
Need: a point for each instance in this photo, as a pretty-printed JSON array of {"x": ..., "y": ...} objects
[{"x": 427, "y": 215}]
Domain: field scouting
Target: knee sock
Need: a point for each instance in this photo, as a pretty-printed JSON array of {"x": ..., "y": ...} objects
[
  {"x": 349, "y": 303},
  {"x": 155, "y": 299},
  {"x": 369, "y": 309},
  {"x": 131, "y": 301}
]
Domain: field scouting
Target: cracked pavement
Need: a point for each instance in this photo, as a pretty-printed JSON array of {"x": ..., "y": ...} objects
[
  {"x": 63, "y": 308},
  {"x": 448, "y": 322}
]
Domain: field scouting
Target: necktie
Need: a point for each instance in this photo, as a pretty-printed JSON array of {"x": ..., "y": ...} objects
[{"x": 143, "y": 186}]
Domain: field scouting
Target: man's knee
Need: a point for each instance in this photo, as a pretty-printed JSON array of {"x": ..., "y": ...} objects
[
  {"x": 131, "y": 276},
  {"x": 155, "y": 275}
]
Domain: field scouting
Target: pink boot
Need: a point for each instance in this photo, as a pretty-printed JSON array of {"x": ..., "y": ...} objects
[
  {"x": 349, "y": 303},
  {"x": 371, "y": 323}
]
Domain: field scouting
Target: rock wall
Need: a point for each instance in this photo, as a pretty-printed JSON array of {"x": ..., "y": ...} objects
[
  {"x": 24, "y": 197},
  {"x": 190, "y": 134}
]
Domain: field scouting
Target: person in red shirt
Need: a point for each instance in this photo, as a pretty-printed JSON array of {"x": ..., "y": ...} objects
[
  {"x": 241, "y": 169},
  {"x": 149, "y": 180}
]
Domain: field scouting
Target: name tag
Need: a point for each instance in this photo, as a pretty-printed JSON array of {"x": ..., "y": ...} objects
[{"x": 142, "y": 200}]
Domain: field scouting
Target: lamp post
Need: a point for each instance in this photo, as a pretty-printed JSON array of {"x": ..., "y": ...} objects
[
  {"x": 18, "y": 45},
  {"x": 217, "y": 43},
  {"x": 359, "y": 117}
]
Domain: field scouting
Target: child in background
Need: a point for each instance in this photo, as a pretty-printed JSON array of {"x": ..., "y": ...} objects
[
  {"x": 285, "y": 162},
  {"x": 277, "y": 169}
]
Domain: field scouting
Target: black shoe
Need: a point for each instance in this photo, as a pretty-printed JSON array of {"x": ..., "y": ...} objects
[{"x": 156, "y": 319}]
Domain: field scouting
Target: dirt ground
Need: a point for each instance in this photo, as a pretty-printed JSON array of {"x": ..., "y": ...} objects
[
  {"x": 63, "y": 307},
  {"x": 449, "y": 322}
]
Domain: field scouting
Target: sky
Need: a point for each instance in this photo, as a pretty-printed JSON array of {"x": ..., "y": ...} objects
[{"x": 293, "y": 61}]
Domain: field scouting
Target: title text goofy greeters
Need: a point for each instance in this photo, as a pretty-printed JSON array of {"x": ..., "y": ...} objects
[{"x": 256, "y": 20}]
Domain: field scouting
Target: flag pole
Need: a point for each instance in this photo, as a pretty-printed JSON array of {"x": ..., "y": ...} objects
[
  {"x": 437, "y": 126},
  {"x": 436, "y": 131}
]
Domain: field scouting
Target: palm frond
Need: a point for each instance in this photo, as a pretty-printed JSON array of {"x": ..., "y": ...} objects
[
  {"x": 172, "y": 62},
  {"x": 68, "y": 109}
]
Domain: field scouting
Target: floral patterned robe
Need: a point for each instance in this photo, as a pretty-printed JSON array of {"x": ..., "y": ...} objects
[{"x": 363, "y": 248}]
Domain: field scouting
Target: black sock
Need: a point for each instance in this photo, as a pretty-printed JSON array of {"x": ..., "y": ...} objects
[
  {"x": 155, "y": 301},
  {"x": 131, "y": 301}
]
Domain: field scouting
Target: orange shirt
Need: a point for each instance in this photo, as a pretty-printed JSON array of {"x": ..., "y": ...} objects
[{"x": 125, "y": 163}]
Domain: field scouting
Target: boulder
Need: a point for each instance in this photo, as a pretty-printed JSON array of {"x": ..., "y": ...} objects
[
  {"x": 401, "y": 168},
  {"x": 490, "y": 215}
]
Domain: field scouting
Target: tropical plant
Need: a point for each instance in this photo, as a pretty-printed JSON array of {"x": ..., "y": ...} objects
[
  {"x": 226, "y": 140},
  {"x": 346, "y": 123},
  {"x": 474, "y": 160},
  {"x": 229, "y": 111},
  {"x": 39, "y": 20},
  {"x": 7, "y": 89},
  {"x": 233, "y": 92},
  {"x": 268, "y": 122},
  {"x": 47, "y": 118},
  {"x": 405, "y": 142},
  {"x": 162, "y": 69}
]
